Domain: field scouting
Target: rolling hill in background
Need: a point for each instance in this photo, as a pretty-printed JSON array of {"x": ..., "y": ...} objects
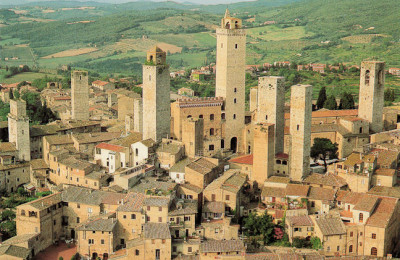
[{"x": 113, "y": 38}]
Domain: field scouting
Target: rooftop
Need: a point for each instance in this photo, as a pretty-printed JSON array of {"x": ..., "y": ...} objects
[
  {"x": 328, "y": 179},
  {"x": 99, "y": 223},
  {"x": 297, "y": 221},
  {"x": 331, "y": 225},
  {"x": 216, "y": 246},
  {"x": 156, "y": 231},
  {"x": 201, "y": 165}
]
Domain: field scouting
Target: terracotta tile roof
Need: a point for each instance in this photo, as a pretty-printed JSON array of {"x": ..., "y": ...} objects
[
  {"x": 331, "y": 225},
  {"x": 296, "y": 221},
  {"x": 74, "y": 163},
  {"x": 278, "y": 179},
  {"x": 366, "y": 203},
  {"x": 152, "y": 183},
  {"x": 7, "y": 147},
  {"x": 156, "y": 231},
  {"x": 38, "y": 164},
  {"x": 110, "y": 147},
  {"x": 201, "y": 165},
  {"x": 222, "y": 246},
  {"x": 385, "y": 172},
  {"x": 386, "y": 158},
  {"x": 132, "y": 203},
  {"x": 59, "y": 139},
  {"x": 331, "y": 113},
  {"x": 348, "y": 197},
  {"x": 99, "y": 224},
  {"x": 273, "y": 192},
  {"x": 328, "y": 179},
  {"x": 100, "y": 82},
  {"x": 383, "y": 212},
  {"x": 156, "y": 201},
  {"x": 148, "y": 142},
  {"x": 297, "y": 190},
  {"x": 45, "y": 202},
  {"x": 245, "y": 159},
  {"x": 317, "y": 193},
  {"x": 19, "y": 239},
  {"x": 282, "y": 155},
  {"x": 187, "y": 207},
  {"x": 85, "y": 138},
  {"x": 357, "y": 158},
  {"x": 15, "y": 251},
  {"x": 191, "y": 187},
  {"x": 346, "y": 214},
  {"x": 231, "y": 180},
  {"x": 393, "y": 192},
  {"x": 214, "y": 207},
  {"x": 132, "y": 138}
]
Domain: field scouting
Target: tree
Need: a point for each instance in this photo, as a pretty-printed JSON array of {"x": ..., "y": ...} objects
[
  {"x": 389, "y": 95},
  {"x": 321, "y": 98},
  {"x": 316, "y": 243},
  {"x": 330, "y": 103},
  {"x": 346, "y": 101},
  {"x": 323, "y": 148},
  {"x": 255, "y": 225}
]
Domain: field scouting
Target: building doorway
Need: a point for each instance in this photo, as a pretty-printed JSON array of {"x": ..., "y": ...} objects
[
  {"x": 72, "y": 233},
  {"x": 234, "y": 144}
]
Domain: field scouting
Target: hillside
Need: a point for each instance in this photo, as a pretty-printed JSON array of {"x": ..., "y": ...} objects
[{"x": 112, "y": 38}]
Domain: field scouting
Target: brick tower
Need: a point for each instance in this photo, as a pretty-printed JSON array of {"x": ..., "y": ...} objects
[
  {"x": 230, "y": 77},
  {"x": 372, "y": 88},
  {"x": 18, "y": 129},
  {"x": 263, "y": 154},
  {"x": 156, "y": 104},
  {"x": 300, "y": 131},
  {"x": 271, "y": 106},
  {"x": 80, "y": 95}
]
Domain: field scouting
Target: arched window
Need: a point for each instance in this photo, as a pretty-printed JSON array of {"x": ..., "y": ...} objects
[
  {"x": 151, "y": 57},
  {"x": 374, "y": 251},
  {"x": 360, "y": 218},
  {"x": 137, "y": 252},
  {"x": 367, "y": 76},
  {"x": 236, "y": 24},
  {"x": 222, "y": 143},
  {"x": 266, "y": 117},
  {"x": 361, "y": 130},
  {"x": 235, "y": 90},
  {"x": 136, "y": 152},
  {"x": 211, "y": 131},
  {"x": 234, "y": 116},
  {"x": 200, "y": 116},
  {"x": 351, "y": 249},
  {"x": 227, "y": 25},
  {"x": 234, "y": 100},
  {"x": 212, "y": 117},
  {"x": 189, "y": 116},
  {"x": 223, "y": 116}
]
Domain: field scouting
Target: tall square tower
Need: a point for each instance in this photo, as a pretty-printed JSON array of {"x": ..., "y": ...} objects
[
  {"x": 80, "y": 95},
  {"x": 18, "y": 129},
  {"x": 156, "y": 100},
  {"x": 300, "y": 131},
  {"x": 263, "y": 154},
  {"x": 372, "y": 89},
  {"x": 230, "y": 77},
  {"x": 271, "y": 106}
]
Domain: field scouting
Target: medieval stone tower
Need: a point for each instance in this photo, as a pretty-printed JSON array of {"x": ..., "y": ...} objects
[
  {"x": 263, "y": 154},
  {"x": 138, "y": 115},
  {"x": 230, "y": 77},
  {"x": 271, "y": 106},
  {"x": 156, "y": 100},
  {"x": 300, "y": 131},
  {"x": 372, "y": 88},
  {"x": 80, "y": 95},
  {"x": 18, "y": 129},
  {"x": 192, "y": 136}
]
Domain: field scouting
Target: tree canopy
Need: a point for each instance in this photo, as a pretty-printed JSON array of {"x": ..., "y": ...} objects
[
  {"x": 321, "y": 98},
  {"x": 323, "y": 148}
]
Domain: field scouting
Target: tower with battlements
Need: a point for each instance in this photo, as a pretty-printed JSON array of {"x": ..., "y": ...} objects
[
  {"x": 230, "y": 77},
  {"x": 18, "y": 129},
  {"x": 80, "y": 95},
  {"x": 300, "y": 131},
  {"x": 156, "y": 100},
  {"x": 371, "y": 99}
]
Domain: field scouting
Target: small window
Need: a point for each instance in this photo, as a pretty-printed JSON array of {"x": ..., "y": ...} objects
[
  {"x": 102, "y": 241},
  {"x": 211, "y": 131},
  {"x": 137, "y": 252},
  {"x": 234, "y": 116},
  {"x": 235, "y": 90},
  {"x": 266, "y": 117},
  {"x": 212, "y": 117},
  {"x": 373, "y": 236},
  {"x": 351, "y": 234},
  {"x": 298, "y": 127},
  {"x": 211, "y": 147},
  {"x": 222, "y": 143},
  {"x": 200, "y": 116},
  {"x": 234, "y": 100},
  {"x": 124, "y": 216},
  {"x": 360, "y": 218},
  {"x": 226, "y": 197},
  {"x": 367, "y": 76},
  {"x": 236, "y": 46},
  {"x": 223, "y": 116},
  {"x": 133, "y": 216},
  {"x": 159, "y": 208},
  {"x": 351, "y": 249}
]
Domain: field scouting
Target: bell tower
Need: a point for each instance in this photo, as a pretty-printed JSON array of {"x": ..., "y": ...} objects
[{"x": 230, "y": 77}]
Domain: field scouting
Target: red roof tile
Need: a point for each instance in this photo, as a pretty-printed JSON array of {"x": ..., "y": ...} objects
[
  {"x": 245, "y": 159},
  {"x": 111, "y": 147}
]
